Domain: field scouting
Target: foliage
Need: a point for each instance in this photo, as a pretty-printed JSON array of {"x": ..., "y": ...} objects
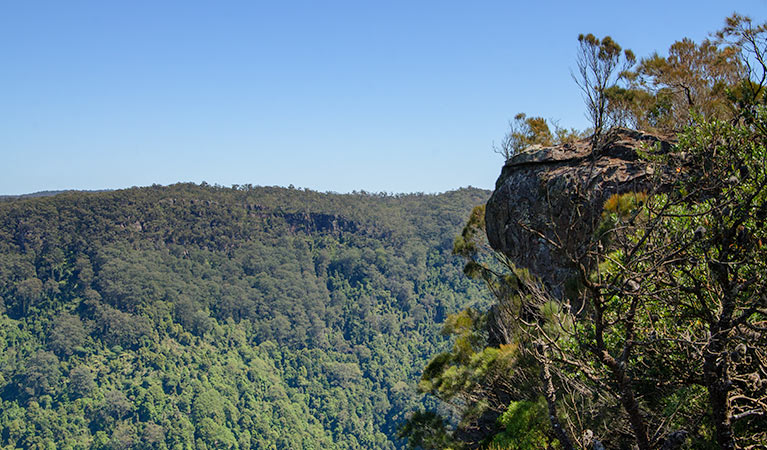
[
  {"x": 523, "y": 132},
  {"x": 525, "y": 427},
  {"x": 426, "y": 430},
  {"x": 668, "y": 92},
  {"x": 665, "y": 93},
  {"x": 527, "y": 131},
  {"x": 601, "y": 64}
]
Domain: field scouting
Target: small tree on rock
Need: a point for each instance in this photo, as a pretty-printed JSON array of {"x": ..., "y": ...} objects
[{"x": 601, "y": 65}]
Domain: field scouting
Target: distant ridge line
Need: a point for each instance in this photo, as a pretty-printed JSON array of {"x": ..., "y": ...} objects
[{"x": 49, "y": 193}]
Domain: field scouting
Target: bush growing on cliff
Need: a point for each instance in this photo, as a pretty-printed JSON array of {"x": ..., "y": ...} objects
[
  {"x": 523, "y": 132},
  {"x": 601, "y": 65},
  {"x": 526, "y": 131}
]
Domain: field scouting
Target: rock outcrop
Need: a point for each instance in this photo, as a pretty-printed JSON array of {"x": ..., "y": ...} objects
[{"x": 548, "y": 200}]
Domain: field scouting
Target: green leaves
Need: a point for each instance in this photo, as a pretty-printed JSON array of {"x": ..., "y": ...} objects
[
  {"x": 526, "y": 131},
  {"x": 525, "y": 425},
  {"x": 426, "y": 430}
]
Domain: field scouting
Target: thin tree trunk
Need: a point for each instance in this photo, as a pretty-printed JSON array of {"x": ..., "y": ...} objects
[
  {"x": 551, "y": 400},
  {"x": 715, "y": 362},
  {"x": 718, "y": 386},
  {"x": 628, "y": 401},
  {"x": 618, "y": 373}
]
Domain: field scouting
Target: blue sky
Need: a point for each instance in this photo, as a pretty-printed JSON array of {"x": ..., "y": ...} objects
[{"x": 397, "y": 96}]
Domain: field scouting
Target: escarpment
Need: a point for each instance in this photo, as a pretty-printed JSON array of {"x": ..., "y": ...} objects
[{"x": 548, "y": 200}]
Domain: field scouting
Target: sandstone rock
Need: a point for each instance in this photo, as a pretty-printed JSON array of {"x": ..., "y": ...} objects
[{"x": 554, "y": 195}]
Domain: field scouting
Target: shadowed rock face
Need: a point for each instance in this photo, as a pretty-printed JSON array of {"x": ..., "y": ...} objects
[{"x": 548, "y": 200}]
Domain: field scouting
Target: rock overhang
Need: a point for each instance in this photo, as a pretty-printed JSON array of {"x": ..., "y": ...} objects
[{"x": 548, "y": 201}]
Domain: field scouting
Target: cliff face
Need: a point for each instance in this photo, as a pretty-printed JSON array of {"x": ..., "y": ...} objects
[{"x": 548, "y": 200}]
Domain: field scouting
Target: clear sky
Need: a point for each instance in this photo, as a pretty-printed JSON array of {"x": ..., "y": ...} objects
[{"x": 395, "y": 96}]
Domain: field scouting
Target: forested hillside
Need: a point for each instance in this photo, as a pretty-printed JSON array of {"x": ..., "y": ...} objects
[{"x": 201, "y": 317}]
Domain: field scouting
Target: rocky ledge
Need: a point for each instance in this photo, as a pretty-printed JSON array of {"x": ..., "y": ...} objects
[{"x": 548, "y": 200}]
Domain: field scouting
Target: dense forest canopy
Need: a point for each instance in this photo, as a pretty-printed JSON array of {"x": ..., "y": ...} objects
[
  {"x": 191, "y": 316},
  {"x": 658, "y": 339}
]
